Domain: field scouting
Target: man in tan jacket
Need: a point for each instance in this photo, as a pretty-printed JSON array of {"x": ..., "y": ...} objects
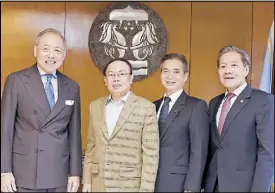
[{"x": 123, "y": 140}]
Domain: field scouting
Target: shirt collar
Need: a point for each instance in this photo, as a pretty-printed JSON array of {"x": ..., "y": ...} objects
[
  {"x": 238, "y": 90},
  {"x": 123, "y": 100},
  {"x": 174, "y": 96},
  {"x": 42, "y": 72}
]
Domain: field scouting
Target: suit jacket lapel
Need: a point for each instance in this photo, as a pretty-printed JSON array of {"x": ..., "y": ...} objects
[
  {"x": 176, "y": 109},
  {"x": 34, "y": 85},
  {"x": 158, "y": 103},
  {"x": 101, "y": 112},
  {"x": 125, "y": 112},
  {"x": 236, "y": 108},
  {"x": 214, "y": 118}
]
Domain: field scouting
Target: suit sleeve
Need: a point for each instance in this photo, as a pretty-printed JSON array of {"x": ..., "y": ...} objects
[
  {"x": 264, "y": 171},
  {"x": 75, "y": 138},
  {"x": 209, "y": 153},
  {"x": 8, "y": 114},
  {"x": 199, "y": 127},
  {"x": 150, "y": 149},
  {"x": 87, "y": 167}
]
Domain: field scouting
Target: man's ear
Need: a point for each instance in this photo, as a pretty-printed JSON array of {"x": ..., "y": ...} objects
[
  {"x": 65, "y": 53},
  {"x": 185, "y": 76},
  {"x": 105, "y": 81},
  {"x": 35, "y": 50}
]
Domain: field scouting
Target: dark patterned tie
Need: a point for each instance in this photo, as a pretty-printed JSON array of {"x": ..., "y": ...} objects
[
  {"x": 163, "y": 113},
  {"x": 49, "y": 90},
  {"x": 224, "y": 111}
]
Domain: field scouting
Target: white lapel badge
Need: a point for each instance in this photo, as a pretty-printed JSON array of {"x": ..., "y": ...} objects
[
  {"x": 241, "y": 101},
  {"x": 69, "y": 102}
]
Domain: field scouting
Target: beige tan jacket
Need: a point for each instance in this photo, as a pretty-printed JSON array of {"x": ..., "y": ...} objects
[{"x": 128, "y": 159}]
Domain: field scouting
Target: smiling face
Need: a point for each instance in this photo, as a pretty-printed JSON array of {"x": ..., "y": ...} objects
[
  {"x": 118, "y": 78},
  {"x": 49, "y": 52},
  {"x": 232, "y": 71},
  {"x": 173, "y": 76}
]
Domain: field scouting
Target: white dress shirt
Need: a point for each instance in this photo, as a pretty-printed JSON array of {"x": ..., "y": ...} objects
[
  {"x": 237, "y": 92},
  {"x": 112, "y": 112},
  {"x": 174, "y": 97},
  {"x": 53, "y": 81}
]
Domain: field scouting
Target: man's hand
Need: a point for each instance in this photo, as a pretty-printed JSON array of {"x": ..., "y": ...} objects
[
  {"x": 73, "y": 184},
  {"x": 87, "y": 188},
  {"x": 7, "y": 182}
]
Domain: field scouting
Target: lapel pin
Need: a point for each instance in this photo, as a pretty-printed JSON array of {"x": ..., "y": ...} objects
[
  {"x": 241, "y": 101},
  {"x": 175, "y": 111}
]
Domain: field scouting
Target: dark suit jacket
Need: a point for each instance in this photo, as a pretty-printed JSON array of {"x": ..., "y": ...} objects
[
  {"x": 40, "y": 147},
  {"x": 242, "y": 158},
  {"x": 183, "y": 145}
]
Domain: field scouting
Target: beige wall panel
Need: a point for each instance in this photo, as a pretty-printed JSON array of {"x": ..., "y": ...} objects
[
  {"x": 79, "y": 65},
  {"x": 214, "y": 25}
]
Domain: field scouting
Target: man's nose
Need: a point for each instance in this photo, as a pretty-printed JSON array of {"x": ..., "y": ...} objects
[
  {"x": 116, "y": 78},
  {"x": 51, "y": 54},
  {"x": 170, "y": 75},
  {"x": 228, "y": 69}
]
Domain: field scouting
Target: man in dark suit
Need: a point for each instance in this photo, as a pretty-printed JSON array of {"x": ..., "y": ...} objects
[
  {"x": 241, "y": 157},
  {"x": 184, "y": 131},
  {"x": 40, "y": 123}
]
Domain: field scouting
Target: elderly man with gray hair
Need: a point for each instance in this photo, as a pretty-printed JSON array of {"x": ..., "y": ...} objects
[
  {"x": 40, "y": 123},
  {"x": 241, "y": 154}
]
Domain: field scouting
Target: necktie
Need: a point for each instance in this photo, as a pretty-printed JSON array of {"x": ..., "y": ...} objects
[
  {"x": 49, "y": 90},
  {"x": 163, "y": 113},
  {"x": 224, "y": 111}
]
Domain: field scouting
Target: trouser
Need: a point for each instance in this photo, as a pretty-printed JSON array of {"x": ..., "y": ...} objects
[
  {"x": 59, "y": 189},
  {"x": 216, "y": 187}
]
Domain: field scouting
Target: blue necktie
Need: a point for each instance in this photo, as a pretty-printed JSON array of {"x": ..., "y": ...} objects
[
  {"x": 49, "y": 90},
  {"x": 163, "y": 113}
]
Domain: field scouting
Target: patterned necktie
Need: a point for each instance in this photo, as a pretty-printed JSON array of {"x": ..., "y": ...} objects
[
  {"x": 224, "y": 111},
  {"x": 49, "y": 90},
  {"x": 163, "y": 113}
]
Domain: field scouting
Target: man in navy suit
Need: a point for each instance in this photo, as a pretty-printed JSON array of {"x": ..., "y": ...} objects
[
  {"x": 241, "y": 155},
  {"x": 184, "y": 131}
]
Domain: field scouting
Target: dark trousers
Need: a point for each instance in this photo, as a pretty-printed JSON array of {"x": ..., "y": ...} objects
[
  {"x": 216, "y": 187},
  {"x": 60, "y": 189}
]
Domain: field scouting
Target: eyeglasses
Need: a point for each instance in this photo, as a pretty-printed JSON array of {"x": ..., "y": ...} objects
[{"x": 120, "y": 75}]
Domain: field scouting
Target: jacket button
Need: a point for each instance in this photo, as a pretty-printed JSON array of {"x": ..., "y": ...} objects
[
  {"x": 34, "y": 112},
  {"x": 35, "y": 150},
  {"x": 220, "y": 147}
]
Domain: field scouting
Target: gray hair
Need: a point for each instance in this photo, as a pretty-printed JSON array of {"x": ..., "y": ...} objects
[
  {"x": 230, "y": 48},
  {"x": 51, "y": 30}
]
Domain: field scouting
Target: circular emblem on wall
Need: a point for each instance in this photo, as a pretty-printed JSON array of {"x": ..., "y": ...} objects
[{"x": 131, "y": 31}]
